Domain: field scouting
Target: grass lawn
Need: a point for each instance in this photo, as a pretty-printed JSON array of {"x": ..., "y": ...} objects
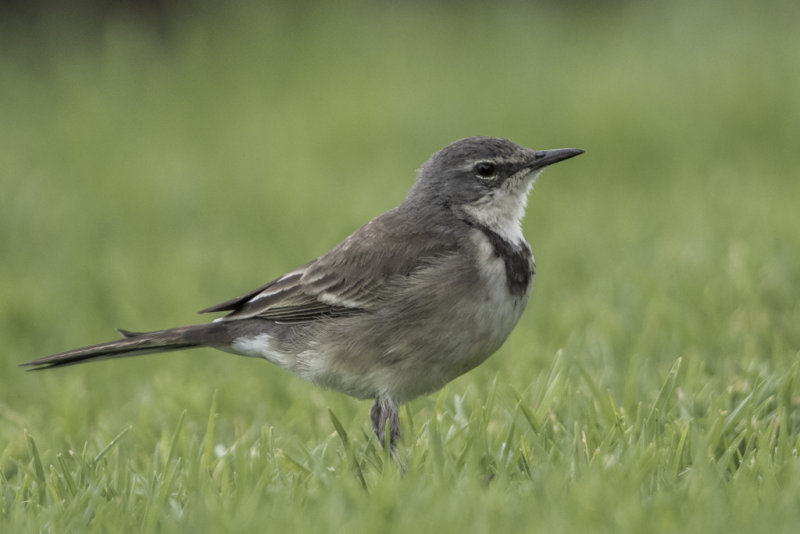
[{"x": 149, "y": 170}]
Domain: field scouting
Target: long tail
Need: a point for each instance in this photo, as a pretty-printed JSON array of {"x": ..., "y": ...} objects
[{"x": 137, "y": 343}]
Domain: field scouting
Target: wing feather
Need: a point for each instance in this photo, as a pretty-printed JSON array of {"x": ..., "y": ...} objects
[{"x": 351, "y": 278}]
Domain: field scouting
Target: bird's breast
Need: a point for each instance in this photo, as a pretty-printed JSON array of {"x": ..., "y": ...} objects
[
  {"x": 492, "y": 307},
  {"x": 500, "y": 261}
]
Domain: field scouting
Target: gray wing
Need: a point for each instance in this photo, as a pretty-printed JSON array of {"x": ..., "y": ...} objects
[{"x": 348, "y": 279}]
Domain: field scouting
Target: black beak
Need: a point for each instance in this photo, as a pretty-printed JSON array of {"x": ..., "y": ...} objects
[{"x": 543, "y": 158}]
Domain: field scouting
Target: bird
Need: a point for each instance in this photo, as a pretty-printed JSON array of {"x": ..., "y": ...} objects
[{"x": 410, "y": 301}]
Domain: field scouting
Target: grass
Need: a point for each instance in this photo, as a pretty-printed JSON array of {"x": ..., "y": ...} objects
[{"x": 652, "y": 384}]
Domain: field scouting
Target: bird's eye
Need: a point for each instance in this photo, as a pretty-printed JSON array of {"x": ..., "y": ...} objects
[{"x": 484, "y": 169}]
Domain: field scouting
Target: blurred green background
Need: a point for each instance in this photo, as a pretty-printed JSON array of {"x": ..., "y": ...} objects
[{"x": 155, "y": 160}]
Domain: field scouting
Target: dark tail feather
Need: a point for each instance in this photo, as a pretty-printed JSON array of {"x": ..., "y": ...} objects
[{"x": 137, "y": 343}]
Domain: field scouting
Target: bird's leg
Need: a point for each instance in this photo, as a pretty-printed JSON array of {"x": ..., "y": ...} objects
[{"x": 383, "y": 411}]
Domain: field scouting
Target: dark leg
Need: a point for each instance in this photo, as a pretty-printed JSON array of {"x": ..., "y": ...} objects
[{"x": 384, "y": 410}]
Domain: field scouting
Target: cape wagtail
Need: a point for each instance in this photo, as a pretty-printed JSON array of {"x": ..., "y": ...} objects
[{"x": 410, "y": 301}]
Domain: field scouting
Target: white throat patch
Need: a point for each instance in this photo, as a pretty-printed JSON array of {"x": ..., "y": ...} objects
[{"x": 503, "y": 208}]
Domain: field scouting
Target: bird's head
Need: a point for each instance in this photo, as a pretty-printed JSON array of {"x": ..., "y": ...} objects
[{"x": 485, "y": 179}]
